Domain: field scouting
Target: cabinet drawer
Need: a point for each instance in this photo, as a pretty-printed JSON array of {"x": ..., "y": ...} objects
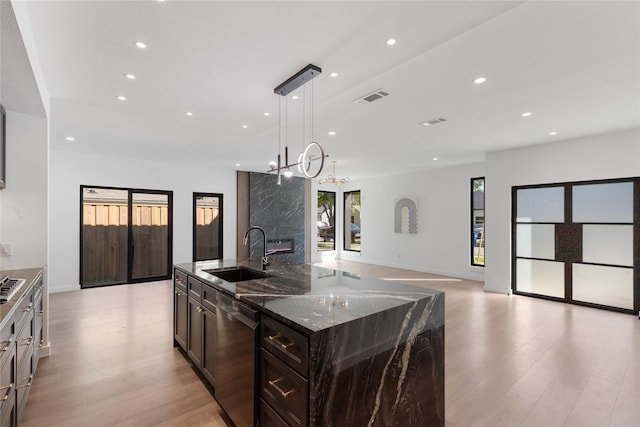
[
  {"x": 269, "y": 417},
  {"x": 7, "y": 340},
  {"x": 25, "y": 339},
  {"x": 24, "y": 308},
  {"x": 23, "y": 382},
  {"x": 180, "y": 280},
  {"x": 194, "y": 288},
  {"x": 289, "y": 345},
  {"x": 8, "y": 379},
  {"x": 284, "y": 389}
]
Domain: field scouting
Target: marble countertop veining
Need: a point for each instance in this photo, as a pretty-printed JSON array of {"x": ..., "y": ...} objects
[{"x": 312, "y": 297}]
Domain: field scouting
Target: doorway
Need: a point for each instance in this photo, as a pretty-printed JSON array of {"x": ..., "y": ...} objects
[
  {"x": 578, "y": 243},
  {"x": 207, "y": 226},
  {"x": 125, "y": 235}
]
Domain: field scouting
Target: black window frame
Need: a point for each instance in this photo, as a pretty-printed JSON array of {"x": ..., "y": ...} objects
[
  {"x": 346, "y": 220},
  {"x": 334, "y": 220},
  {"x": 472, "y": 239},
  {"x": 220, "y": 197}
]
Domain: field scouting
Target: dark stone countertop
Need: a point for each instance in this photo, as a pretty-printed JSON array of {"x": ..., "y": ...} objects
[
  {"x": 313, "y": 298},
  {"x": 30, "y": 275}
]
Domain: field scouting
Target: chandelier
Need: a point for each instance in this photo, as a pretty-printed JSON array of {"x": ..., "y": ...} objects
[
  {"x": 332, "y": 178},
  {"x": 311, "y": 158}
]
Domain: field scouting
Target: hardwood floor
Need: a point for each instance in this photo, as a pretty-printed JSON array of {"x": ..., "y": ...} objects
[{"x": 510, "y": 360}]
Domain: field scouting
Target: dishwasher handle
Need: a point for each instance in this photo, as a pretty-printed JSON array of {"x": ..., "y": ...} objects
[{"x": 235, "y": 310}]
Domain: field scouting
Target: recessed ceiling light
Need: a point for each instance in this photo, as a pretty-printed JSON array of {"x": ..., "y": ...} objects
[
  {"x": 266, "y": 114},
  {"x": 130, "y": 76},
  {"x": 141, "y": 45},
  {"x": 435, "y": 159},
  {"x": 294, "y": 97},
  {"x": 391, "y": 42},
  {"x": 527, "y": 114},
  {"x": 332, "y": 133},
  {"x": 553, "y": 133},
  {"x": 122, "y": 98},
  {"x": 70, "y": 138},
  {"x": 334, "y": 74},
  {"x": 479, "y": 80},
  {"x": 245, "y": 126},
  {"x": 237, "y": 165},
  {"x": 189, "y": 113}
]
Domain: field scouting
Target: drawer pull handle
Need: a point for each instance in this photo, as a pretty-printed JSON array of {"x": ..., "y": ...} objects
[
  {"x": 7, "y": 345},
  {"x": 28, "y": 308},
  {"x": 200, "y": 309},
  {"x": 7, "y": 387},
  {"x": 28, "y": 341},
  {"x": 28, "y": 384},
  {"x": 180, "y": 293},
  {"x": 274, "y": 384},
  {"x": 275, "y": 337}
]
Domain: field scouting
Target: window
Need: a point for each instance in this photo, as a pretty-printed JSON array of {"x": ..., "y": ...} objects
[
  {"x": 207, "y": 226},
  {"x": 477, "y": 221},
  {"x": 326, "y": 220},
  {"x": 352, "y": 221}
]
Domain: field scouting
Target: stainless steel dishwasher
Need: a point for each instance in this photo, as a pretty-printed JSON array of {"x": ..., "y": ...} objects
[{"x": 235, "y": 360}]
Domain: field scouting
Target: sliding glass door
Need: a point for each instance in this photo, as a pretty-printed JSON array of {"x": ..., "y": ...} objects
[
  {"x": 579, "y": 243},
  {"x": 125, "y": 236}
]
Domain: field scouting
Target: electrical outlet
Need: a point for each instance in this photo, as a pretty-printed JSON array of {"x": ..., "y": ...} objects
[{"x": 5, "y": 249}]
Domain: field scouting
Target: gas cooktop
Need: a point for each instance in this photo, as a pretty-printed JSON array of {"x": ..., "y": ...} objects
[{"x": 9, "y": 288}]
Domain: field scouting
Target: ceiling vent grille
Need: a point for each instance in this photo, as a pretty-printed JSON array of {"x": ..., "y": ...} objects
[
  {"x": 370, "y": 97},
  {"x": 433, "y": 121}
]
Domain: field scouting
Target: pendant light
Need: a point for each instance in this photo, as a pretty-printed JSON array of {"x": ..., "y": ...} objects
[
  {"x": 332, "y": 178},
  {"x": 313, "y": 153}
]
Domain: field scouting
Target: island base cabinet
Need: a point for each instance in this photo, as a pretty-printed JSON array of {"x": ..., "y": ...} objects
[
  {"x": 180, "y": 307},
  {"x": 194, "y": 341},
  {"x": 269, "y": 417}
]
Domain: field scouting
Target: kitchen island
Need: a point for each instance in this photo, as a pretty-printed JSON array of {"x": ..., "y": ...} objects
[{"x": 332, "y": 348}]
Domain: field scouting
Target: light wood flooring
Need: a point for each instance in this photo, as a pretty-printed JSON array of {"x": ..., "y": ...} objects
[{"x": 510, "y": 360}]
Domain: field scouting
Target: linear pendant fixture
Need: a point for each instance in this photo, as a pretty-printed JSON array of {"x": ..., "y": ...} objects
[
  {"x": 313, "y": 153},
  {"x": 297, "y": 80}
]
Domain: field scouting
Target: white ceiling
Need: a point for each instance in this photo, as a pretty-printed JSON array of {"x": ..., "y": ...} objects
[{"x": 575, "y": 65}]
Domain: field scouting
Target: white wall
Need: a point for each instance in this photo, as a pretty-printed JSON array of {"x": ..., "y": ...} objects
[
  {"x": 442, "y": 244},
  {"x": 69, "y": 170},
  {"x": 23, "y": 211},
  {"x": 614, "y": 155}
]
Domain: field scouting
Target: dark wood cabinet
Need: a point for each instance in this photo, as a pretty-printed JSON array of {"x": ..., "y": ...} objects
[
  {"x": 180, "y": 307},
  {"x": 283, "y": 385},
  {"x": 209, "y": 325},
  {"x": 195, "y": 322},
  {"x": 194, "y": 335}
]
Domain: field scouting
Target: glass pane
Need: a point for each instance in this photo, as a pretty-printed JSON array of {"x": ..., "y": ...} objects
[
  {"x": 208, "y": 227},
  {"x": 352, "y": 221},
  {"x": 540, "y": 205},
  {"x": 603, "y": 202},
  {"x": 150, "y": 234},
  {"x": 326, "y": 218},
  {"x": 104, "y": 236},
  {"x": 608, "y": 244},
  {"x": 477, "y": 221},
  {"x": 612, "y": 286},
  {"x": 536, "y": 241},
  {"x": 540, "y": 277}
]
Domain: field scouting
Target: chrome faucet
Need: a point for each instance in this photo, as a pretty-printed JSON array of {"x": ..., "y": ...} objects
[{"x": 265, "y": 261}]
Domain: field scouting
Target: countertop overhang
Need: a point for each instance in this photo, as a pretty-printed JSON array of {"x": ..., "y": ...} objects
[{"x": 314, "y": 298}]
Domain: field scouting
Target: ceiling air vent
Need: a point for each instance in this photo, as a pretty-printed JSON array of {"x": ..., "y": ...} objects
[
  {"x": 370, "y": 97},
  {"x": 433, "y": 121}
]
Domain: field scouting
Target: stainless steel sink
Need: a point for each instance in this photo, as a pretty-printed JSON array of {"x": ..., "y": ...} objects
[{"x": 238, "y": 274}]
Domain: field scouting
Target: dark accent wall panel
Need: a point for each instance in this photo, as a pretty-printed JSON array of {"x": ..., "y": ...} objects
[
  {"x": 242, "y": 252},
  {"x": 280, "y": 211}
]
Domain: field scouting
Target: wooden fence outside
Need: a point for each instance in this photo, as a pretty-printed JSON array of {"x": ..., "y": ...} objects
[{"x": 105, "y": 242}]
